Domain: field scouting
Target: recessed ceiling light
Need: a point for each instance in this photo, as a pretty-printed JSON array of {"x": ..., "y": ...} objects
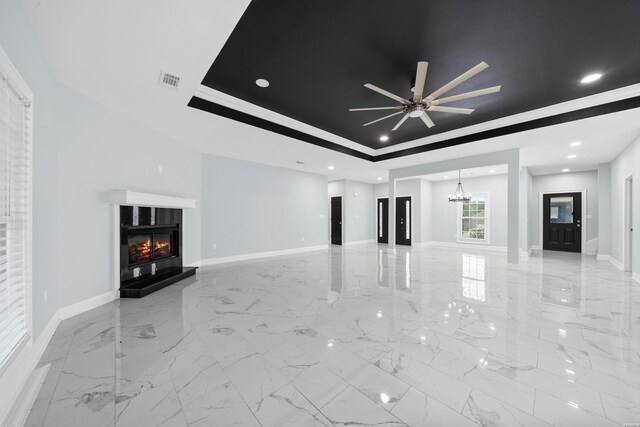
[
  {"x": 331, "y": 167},
  {"x": 566, "y": 170},
  {"x": 492, "y": 171},
  {"x": 262, "y": 82},
  {"x": 575, "y": 144},
  {"x": 571, "y": 156},
  {"x": 379, "y": 178},
  {"x": 384, "y": 138},
  {"x": 591, "y": 78}
]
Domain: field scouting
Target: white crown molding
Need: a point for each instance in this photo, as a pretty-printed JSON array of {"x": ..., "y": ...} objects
[
  {"x": 212, "y": 95},
  {"x": 237, "y": 104},
  {"x": 132, "y": 198}
]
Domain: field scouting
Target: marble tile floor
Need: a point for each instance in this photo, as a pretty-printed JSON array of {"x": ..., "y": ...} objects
[{"x": 358, "y": 336}]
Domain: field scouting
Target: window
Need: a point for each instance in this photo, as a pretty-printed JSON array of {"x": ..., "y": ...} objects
[
  {"x": 15, "y": 211},
  {"x": 473, "y": 219}
]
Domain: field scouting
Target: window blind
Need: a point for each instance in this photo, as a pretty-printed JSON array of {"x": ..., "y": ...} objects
[{"x": 15, "y": 219}]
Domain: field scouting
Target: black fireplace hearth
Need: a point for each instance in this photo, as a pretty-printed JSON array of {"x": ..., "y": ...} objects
[{"x": 150, "y": 250}]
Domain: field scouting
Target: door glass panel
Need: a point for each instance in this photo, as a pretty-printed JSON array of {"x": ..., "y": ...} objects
[
  {"x": 380, "y": 219},
  {"x": 561, "y": 210},
  {"x": 406, "y": 216}
]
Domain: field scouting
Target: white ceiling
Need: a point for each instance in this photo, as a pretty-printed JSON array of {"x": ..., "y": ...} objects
[{"x": 113, "y": 52}]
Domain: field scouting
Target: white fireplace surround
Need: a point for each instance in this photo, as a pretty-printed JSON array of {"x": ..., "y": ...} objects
[{"x": 118, "y": 198}]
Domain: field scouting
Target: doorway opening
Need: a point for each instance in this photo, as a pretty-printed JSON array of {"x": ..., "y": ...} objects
[
  {"x": 383, "y": 220},
  {"x": 562, "y": 222},
  {"x": 336, "y": 220},
  {"x": 628, "y": 224},
  {"x": 403, "y": 220}
]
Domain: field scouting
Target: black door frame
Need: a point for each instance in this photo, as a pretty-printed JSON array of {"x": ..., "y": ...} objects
[
  {"x": 341, "y": 219},
  {"x": 377, "y": 216},
  {"x": 410, "y": 196},
  {"x": 583, "y": 216}
]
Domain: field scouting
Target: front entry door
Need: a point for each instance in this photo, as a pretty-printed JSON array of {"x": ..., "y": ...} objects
[
  {"x": 336, "y": 220},
  {"x": 403, "y": 221},
  {"x": 562, "y": 216},
  {"x": 383, "y": 220}
]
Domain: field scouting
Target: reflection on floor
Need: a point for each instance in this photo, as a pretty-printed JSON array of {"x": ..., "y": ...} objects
[{"x": 358, "y": 336}]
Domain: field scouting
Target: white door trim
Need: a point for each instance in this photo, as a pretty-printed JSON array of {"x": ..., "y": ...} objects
[{"x": 583, "y": 217}]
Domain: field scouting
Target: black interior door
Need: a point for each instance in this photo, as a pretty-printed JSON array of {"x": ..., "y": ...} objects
[
  {"x": 383, "y": 220},
  {"x": 403, "y": 220},
  {"x": 562, "y": 216},
  {"x": 336, "y": 220}
]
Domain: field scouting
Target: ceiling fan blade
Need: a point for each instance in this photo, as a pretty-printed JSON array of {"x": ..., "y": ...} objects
[
  {"x": 421, "y": 76},
  {"x": 402, "y": 120},
  {"x": 382, "y": 118},
  {"x": 450, "y": 110},
  {"x": 466, "y": 95},
  {"x": 386, "y": 93},
  {"x": 427, "y": 121},
  {"x": 455, "y": 82},
  {"x": 399, "y": 107}
]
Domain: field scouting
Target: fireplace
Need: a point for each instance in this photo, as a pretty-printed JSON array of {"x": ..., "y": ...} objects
[{"x": 150, "y": 249}]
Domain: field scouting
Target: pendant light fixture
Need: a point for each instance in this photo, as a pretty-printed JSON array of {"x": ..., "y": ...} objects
[{"x": 459, "y": 195}]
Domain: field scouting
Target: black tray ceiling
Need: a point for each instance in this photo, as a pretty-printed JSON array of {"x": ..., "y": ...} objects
[{"x": 318, "y": 54}]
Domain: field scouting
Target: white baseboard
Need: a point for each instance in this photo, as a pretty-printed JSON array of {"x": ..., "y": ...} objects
[
  {"x": 360, "y": 242},
  {"x": 467, "y": 246},
  {"x": 86, "y": 305},
  {"x": 591, "y": 247},
  {"x": 20, "y": 411},
  {"x": 616, "y": 263},
  {"x": 535, "y": 248},
  {"x": 612, "y": 260},
  {"x": 20, "y": 377},
  {"x": 245, "y": 257}
]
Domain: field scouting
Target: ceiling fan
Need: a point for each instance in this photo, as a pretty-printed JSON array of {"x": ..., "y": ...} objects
[{"x": 418, "y": 106}]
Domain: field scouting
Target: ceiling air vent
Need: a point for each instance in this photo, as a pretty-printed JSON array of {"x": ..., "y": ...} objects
[{"x": 169, "y": 80}]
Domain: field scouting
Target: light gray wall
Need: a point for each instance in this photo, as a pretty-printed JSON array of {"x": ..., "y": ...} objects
[
  {"x": 604, "y": 209},
  {"x": 251, "y": 208},
  {"x": 525, "y": 196},
  {"x": 566, "y": 182},
  {"x": 426, "y": 213},
  {"x": 627, "y": 163},
  {"x": 509, "y": 157},
  {"x": 445, "y": 212},
  {"x": 381, "y": 190},
  {"x": 359, "y": 211},
  {"x": 81, "y": 151},
  {"x": 412, "y": 187},
  {"x": 420, "y": 192}
]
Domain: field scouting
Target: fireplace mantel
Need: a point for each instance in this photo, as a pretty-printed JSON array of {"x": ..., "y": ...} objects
[
  {"x": 118, "y": 198},
  {"x": 133, "y": 198}
]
